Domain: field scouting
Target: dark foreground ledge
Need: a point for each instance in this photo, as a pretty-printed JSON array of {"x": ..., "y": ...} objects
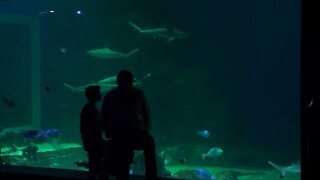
[{"x": 37, "y": 173}]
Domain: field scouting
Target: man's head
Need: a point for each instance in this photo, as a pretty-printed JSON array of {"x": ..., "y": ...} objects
[
  {"x": 125, "y": 78},
  {"x": 93, "y": 93}
]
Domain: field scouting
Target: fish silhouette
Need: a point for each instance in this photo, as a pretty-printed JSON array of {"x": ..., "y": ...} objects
[{"x": 8, "y": 102}]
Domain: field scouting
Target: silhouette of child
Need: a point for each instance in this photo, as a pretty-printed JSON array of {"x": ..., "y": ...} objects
[{"x": 90, "y": 130}]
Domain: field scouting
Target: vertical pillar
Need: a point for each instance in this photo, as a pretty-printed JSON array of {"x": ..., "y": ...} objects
[{"x": 32, "y": 24}]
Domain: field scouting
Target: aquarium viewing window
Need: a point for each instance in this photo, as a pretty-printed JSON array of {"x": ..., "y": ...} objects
[
  {"x": 20, "y": 72},
  {"x": 223, "y": 88}
]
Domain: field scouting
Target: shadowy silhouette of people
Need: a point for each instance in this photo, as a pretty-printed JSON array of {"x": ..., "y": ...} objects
[
  {"x": 90, "y": 129},
  {"x": 126, "y": 122}
]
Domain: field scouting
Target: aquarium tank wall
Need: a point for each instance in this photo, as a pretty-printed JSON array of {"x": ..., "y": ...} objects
[{"x": 222, "y": 79}]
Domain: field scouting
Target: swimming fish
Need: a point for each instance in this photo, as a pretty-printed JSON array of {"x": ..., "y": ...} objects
[
  {"x": 84, "y": 164},
  {"x": 53, "y": 133},
  {"x": 106, "y": 84},
  {"x": 42, "y": 135},
  {"x": 162, "y": 32},
  {"x": 47, "y": 88},
  {"x": 204, "y": 174},
  {"x": 7, "y": 101},
  {"x": 293, "y": 168},
  {"x": 182, "y": 160},
  {"x": 30, "y": 133},
  {"x": 213, "y": 152},
  {"x": 107, "y": 53},
  {"x": 204, "y": 133}
]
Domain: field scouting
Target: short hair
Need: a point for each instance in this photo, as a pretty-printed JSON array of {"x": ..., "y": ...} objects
[
  {"x": 125, "y": 77},
  {"x": 92, "y": 92}
]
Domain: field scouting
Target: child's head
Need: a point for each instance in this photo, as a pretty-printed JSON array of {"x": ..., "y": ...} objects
[{"x": 93, "y": 93}]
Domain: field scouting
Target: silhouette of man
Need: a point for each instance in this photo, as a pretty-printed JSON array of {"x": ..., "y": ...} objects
[
  {"x": 90, "y": 129},
  {"x": 126, "y": 121}
]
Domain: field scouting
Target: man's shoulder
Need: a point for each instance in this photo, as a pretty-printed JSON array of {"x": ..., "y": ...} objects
[
  {"x": 138, "y": 90},
  {"x": 111, "y": 93},
  {"x": 89, "y": 107},
  {"x": 124, "y": 90},
  {"x": 85, "y": 107}
]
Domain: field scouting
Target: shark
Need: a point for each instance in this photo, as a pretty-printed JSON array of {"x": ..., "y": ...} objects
[
  {"x": 104, "y": 87},
  {"x": 293, "y": 168},
  {"x": 164, "y": 33},
  {"x": 107, "y": 53},
  {"x": 106, "y": 84}
]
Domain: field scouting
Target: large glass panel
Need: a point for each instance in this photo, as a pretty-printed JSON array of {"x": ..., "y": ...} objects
[{"x": 222, "y": 79}]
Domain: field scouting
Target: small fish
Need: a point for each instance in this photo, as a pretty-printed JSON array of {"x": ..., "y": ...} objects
[
  {"x": 47, "y": 88},
  {"x": 8, "y": 102},
  {"x": 293, "y": 168},
  {"x": 162, "y": 154},
  {"x": 42, "y": 135},
  {"x": 204, "y": 133},
  {"x": 1, "y": 129},
  {"x": 167, "y": 160},
  {"x": 43, "y": 13},
  {"x": 204, "y": 174},
  {"x": 53, "y": 133},
  {"x": 30, "y": 133},
  {"x": 213, "y": 152},
  {"x": 63, "y": 50},
  {"x": 84, "y": 164},
  {"x": 182, "y": 160}
]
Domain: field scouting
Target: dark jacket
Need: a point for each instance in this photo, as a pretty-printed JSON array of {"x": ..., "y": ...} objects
[
  {"x": 90, "y": 127},
  {"x": 125, "y": 110}
]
